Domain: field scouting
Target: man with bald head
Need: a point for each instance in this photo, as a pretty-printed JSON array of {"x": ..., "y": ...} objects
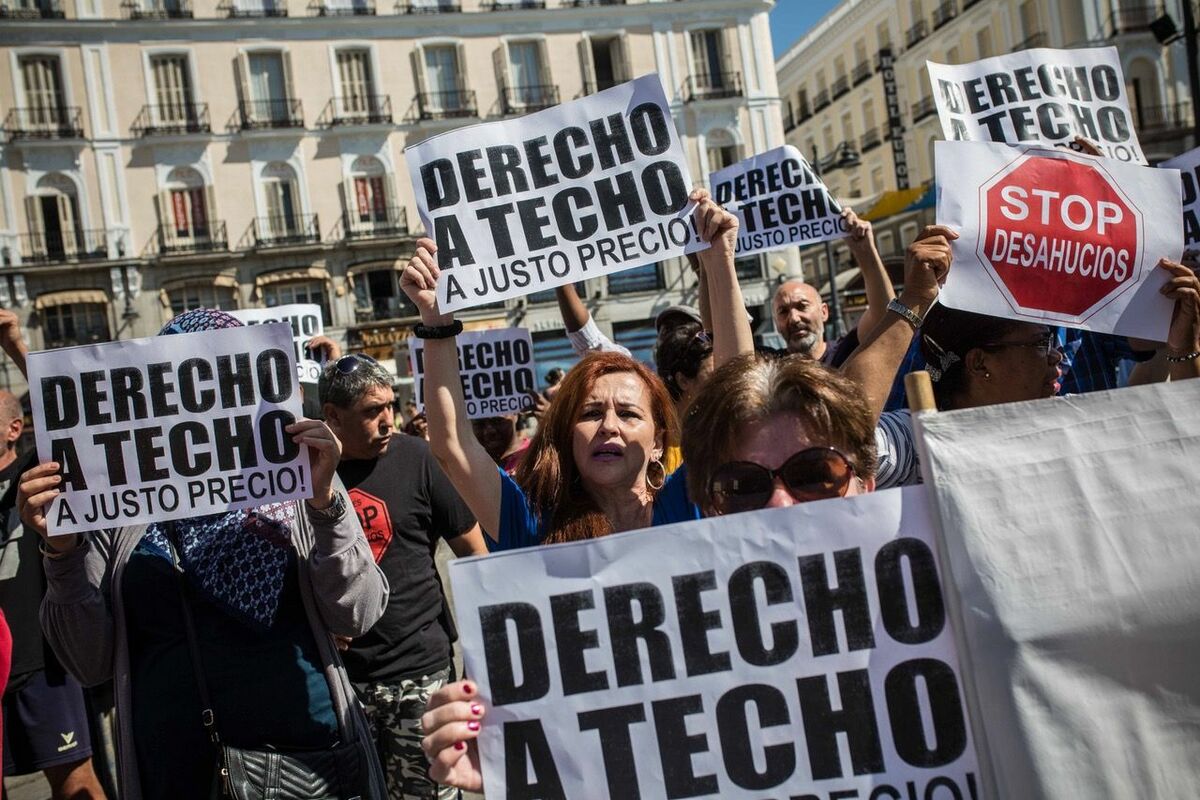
[{"x": 800, "y": 317}]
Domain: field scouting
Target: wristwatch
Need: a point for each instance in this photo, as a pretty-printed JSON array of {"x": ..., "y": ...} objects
[
  {"x": 912, "y": 317},
  {"x": 333, "y": 512}
]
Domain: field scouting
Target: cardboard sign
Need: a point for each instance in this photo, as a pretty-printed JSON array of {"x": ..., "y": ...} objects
[
  {"x": 497, "y": 370},
  {"x": 306, "y": 322},
  {"x": 779, "y": 200},
  {"x": 791, "y": 652},
  {"x": 1072, "y": 569},
  {"x": 1188, "y": 165},
  {"x": 1040, "y": 95},
  {"x": 584, "y": 189},
  {"x": 1056, "y": 237},
  {"x": 169, "y": 427}
]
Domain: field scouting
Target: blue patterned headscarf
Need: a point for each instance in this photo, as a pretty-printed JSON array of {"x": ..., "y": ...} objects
[{"x": 237, "y": 559}]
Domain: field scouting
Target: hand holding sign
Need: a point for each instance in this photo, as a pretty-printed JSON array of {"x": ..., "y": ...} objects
[
  {"x": 419, "y": 282},
  {"x": 324, "y": 453},
  {"x": 37, "y": 488},
  {"x": 717, "y": 227},
  {"x": 926, "y": 264},
  {"x": 452, "y": 723},
  {"x": 1184, "y": 288}
]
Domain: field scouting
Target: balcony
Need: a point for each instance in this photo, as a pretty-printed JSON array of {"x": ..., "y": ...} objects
[
  {"x": 1162, "y": 121},
  {"x": 41, "y": 9},
  {"x": 586, "y": 3},
  {"x": 510, "y": 5},
  {"x": 260, "y": 114},
  {"x": 968, "y": 3},
  {"x": 298, "y": 229},
  {"x": 916, "y": 33},
  {"x": 870, "y": 140},
  {"x": 841, "y": 86},
  {"x": 157, "y": 9},
  {"x": 196, "y": 241},
  {"x": 375, "y": 109},
  {"x": 390, "y": 222},
  {"x": 341, "y": 8},
  {"x": 46, "y": 247},
  {"x": 172, "y": 120},
  {"x": 241, "y": 9},
  {"x": 1038, "y": 39},
  {"x": 789, "y": 122},
  {"x": 713, "y": 86},
  {"x": 923, "y": 108},
  {"x": 862, "y": 72},
  {"x": 447, "y": 105},
  {"x": 63, "y": 122},
  {"x": 944, "y": 13},
  {"x": 427, "y": 7},
  {"x": 591, "y": 87},
  {"x": 384, "y": 308},
  {"x": 821, "y": 100},
  {"x": 1134, "y": 19},
  {"x": 527, "y": 99}
]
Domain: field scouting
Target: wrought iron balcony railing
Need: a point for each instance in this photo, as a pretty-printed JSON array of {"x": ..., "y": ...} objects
[
  {"x": 862, "y": 72},
  {"x": 342, "y": 8},
  {"x": 284, "y": 230},
  {"x": 509, "y": 5},
  {"x": 527, "y": 99},
  {"x": 44, "y": 122},
  {"x": 38, "y": 9},
  {"x": 427, "y": 7},
  {"x": 944, "y": 13},
  {"x": 208, "y": 239},
  {"x": 1132, "y": 19},
  {"x": 1159, "y": 120},
  {"x": 821, "y": 100},
  {"x": 375, "y": 109},
  {"x": 236, "y": 9},
  {"x": 447, "y": 105},
  {"x": 176, "y": 118},
  {"x": 916, "y": 33},
  {"x": 712, "y": 86},
  {"x": 1039, "y": 39},
  {"x": 61, "y": 247},
  {"x": 923, "y": 108},
  {"x": 840, "y": 87},
  {"x": 583, "y": 3},
  {"x": 388, "y": 222},
  {"x": 254, "y": 114},
  {"x": 870, "y": 140},
  {"x": 591, "y": 87},
  {"x": 157, "y": 9}
]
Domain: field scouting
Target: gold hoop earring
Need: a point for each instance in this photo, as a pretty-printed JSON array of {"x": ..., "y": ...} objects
[{"x": 661, "y": 471}]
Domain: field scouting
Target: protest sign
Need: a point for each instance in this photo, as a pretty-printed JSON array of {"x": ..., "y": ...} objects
[
  {"x": 1073, "y": 571},
  {"x": 305, "y": 320},
  {"x": 497, "y": 370},
  {"x": 1039, "y": 95},
  {"x": 779, "y": 201},
  {"x": 1053, "y": 236},
  {"x": 577, "y": 191},
  {"x": 169, "y": 427},
  {"x": 790, "y": 652},
  {"x": 1188, "y": 165}
]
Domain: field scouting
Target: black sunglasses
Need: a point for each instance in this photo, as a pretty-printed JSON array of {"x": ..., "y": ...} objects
[
  {"x": 815, "y": 473},
  {"x": 348, "y": 363}
]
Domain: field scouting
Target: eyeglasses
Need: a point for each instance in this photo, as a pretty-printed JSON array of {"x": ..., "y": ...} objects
[
  {"x": 1044, "y": 345},
  {"x": 815, "y": 473},
  {"x": 347, "y": 364}
]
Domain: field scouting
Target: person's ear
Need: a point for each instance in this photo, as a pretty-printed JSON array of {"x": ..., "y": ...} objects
[
  {"x": 14, "y": 430},
  {"x": 976, "y": 363},
  {"x": 824, "y": 312},
  {"x": 331, "y": 415}
]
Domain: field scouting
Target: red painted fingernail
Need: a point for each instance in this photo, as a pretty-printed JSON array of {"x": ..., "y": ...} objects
[
  {"x": 476, "y": 709},
  {"x": 468, "y": 689},
  {"x": 460, "y": 745},
  {"x": 473, "y": 725}
]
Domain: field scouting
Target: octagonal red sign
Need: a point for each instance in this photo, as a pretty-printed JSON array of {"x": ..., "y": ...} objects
[{"x": 1058, "y": 235}]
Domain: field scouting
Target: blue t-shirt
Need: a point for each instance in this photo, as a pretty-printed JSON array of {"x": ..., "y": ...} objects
[{"x": 520, "y": 527}]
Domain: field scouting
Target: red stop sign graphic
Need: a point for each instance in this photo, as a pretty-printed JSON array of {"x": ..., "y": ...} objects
[{"x": 1059, "y": 236}]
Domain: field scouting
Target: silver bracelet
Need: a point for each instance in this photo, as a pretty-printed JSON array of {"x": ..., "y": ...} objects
[
  {"x": 912, "y": 317},
  {"x": 1183, "y": 359}
]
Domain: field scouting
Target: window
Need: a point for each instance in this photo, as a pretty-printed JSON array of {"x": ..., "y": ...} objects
[
  {"x": 74, "y": 324},
  {"x": 868, "y": 113},
  {"x": 552, "y": 349},
  {"x": 877, "y": 179},
  {"x": 1030, "y": 23},
  {"x": 848, "y": 127},
  {"x": 710, "y": 69},
  {"x": 377, "y": 296},
  {"x": 886, "y": 243},
  {"x": 282, "y": 294},
  {"x": 55, "y": 229},
  {"x": 883, "y": 34},
  {"x": 369, "y": 203},
  {"x": 187, "y": 298},
  {"x": 749, "y": 268},
  {"x": 603, "y": 61},
  {"x": 45, "y": 104},
  {"x": 281, "y": 199},
  {"x": 526, "y": 84},
  {"x": 639, "y": 279},
  {"x": 983, "y": 43},
  {"x": 855, "y": 186},
  {"x": 355, "y": 86},
  {"x": 443, "y": 81},
  {"x": 267, "y": 89},
  {"x": 185, "y": 209},
  {"x": 722, "y": 150},
  {"x": 639, "y": 338}
]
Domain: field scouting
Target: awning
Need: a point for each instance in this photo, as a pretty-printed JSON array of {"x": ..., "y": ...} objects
[
  {"x": 303, "y": 274},
  {"x": 224, "y": 281},
  {"x": 66, "y": 298},
  {"x": 369, "y": 266},
  {"x": 895, "y": 202}
]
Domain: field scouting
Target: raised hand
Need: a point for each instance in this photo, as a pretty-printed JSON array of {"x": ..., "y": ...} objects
[
  {"x": 926, "y": 264},
  {"x": 324, "y": 453},
  {"x": 451, "y": 723},
  {"x": 419, "y": 282}
]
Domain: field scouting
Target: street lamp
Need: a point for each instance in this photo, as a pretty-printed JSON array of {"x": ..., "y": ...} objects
[
  {"x": 844, "y": 155},
  {"x": 1165, "y": 32}
]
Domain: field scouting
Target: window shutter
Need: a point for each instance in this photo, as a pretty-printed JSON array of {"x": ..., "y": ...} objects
[
  {"x": 242, "y": 69},
  {"x": 66, "y": 221},
  {"x": 620, "y": 59},
  {"x": 37, "y": 229},
  {"x": 586, "y": 67}
]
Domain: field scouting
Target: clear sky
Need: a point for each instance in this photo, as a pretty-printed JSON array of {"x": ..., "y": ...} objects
[{"x": 791, "y": 19}]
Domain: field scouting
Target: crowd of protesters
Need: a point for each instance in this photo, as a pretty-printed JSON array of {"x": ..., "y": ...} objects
[{"x": 323, "y": 623}]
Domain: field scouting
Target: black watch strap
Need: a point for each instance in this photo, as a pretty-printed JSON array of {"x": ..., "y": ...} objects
[{"x": 439, "y": 332}]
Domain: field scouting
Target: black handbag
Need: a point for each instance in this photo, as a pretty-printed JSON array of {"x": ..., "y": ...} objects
[{"x": 339, "y": 772}]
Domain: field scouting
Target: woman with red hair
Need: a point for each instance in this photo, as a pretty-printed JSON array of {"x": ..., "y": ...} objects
[{"x": 595, "y": 465}]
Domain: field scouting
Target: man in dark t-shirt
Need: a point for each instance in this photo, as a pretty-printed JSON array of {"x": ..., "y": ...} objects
[{"x": 406, "y": 504}]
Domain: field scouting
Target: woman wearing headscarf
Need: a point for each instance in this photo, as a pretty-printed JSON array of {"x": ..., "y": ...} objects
[{"x": 267, "y": 589}]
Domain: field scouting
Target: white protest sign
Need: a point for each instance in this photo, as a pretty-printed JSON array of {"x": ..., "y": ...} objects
[
  {"x": 306, "y": 322},
  {"x": 1188, "y": 165},
  {"x": 169, "y": 427},
  {"x": 1053, "y": 236},
  {"x": 497, "y": 370},
  {"x": 1039, "y": 95},
  {"x": 580, "y": 190},
  {"x": 779, "y": 201},
  {"x": 800, "y": 651},
  {"x": 1070, "y": 533}
]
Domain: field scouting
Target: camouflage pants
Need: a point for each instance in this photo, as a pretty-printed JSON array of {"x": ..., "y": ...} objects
[{"x": 394, "y": 711}]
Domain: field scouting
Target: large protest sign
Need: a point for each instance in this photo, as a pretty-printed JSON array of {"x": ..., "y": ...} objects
[
  {"x": 169, "y": 427},
  {"x": 305, "y": 320},
  {"x": 1039, "y": 96},
  {"x": 1188, "y": 165},
  {"x": 1052, "y": 236},
  {"x": 1072, "y": 557},
  {"x": 497, "y": 371},
  {"x": 577, "y": 191},
  {"x": 800, "y": 652},
  {"x": 779, "y": 201}
]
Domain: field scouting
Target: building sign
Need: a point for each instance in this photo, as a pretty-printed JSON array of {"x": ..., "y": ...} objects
[{"x": 895, "y": 124}]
